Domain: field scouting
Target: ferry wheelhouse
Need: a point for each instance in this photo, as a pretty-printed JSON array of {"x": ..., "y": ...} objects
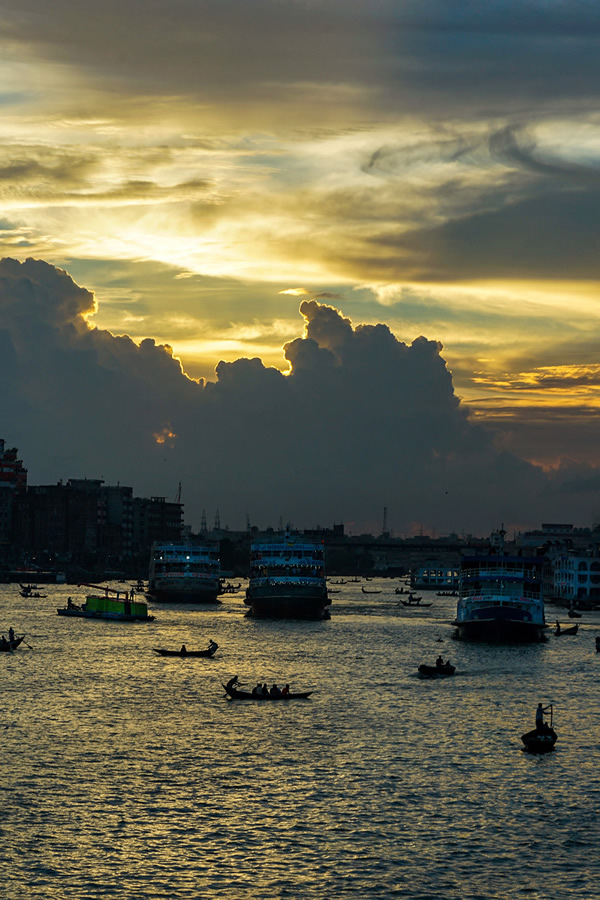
[
  {"x": 184, "y": 572},
  {"x": 287, "y": 579},
  {"x": 501, "y": 598}
]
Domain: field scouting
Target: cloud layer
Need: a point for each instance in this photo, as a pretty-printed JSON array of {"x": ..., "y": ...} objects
[
  {"x": 361, "y": 421},
  {"x": 432, "y": 164}
]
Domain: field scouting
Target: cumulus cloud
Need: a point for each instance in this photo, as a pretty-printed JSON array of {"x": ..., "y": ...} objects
[{"x": 362, "y": 420}]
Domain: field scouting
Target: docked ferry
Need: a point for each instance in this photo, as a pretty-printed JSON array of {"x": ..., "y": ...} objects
[
  {"x": 287, "y": 579},
  {"x": 184, "y": 572},
  {"x": 501, "y": 597}
]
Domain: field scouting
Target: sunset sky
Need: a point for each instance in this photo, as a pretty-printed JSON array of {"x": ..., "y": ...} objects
[{"x": 207, "y": 170}]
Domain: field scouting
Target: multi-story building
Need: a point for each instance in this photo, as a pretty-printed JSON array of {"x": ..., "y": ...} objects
[
  {"x": 155, "y": 519},
  {"x": 13, "y": 483},
  {"x": 12, "y": 471},
  {"x": 577, "y": 577}
]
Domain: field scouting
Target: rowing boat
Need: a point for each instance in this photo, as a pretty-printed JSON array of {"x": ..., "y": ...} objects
[
  {"x": 436, "y": 671},
  {"x": 540, "y": 741},
  {"x": 209, "y": 652},
  {"x": 7, "y": 646},
  {"x": 246, "y": 695}
]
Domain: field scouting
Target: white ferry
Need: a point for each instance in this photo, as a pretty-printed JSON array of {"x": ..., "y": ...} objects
[
  {"x": 501, "y": 597},
  {"x": 184, "y": 572},
  {"x": 287, "y": 579}
]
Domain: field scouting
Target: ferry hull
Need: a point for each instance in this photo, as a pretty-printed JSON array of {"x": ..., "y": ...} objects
[
  {"x": 110, "y": 616},
  {"x": 493, "y": 622},
  {"x": 500, "y": 631},
  {"x": 184, "y": 594},
  {"x": 281, "y": 602}
]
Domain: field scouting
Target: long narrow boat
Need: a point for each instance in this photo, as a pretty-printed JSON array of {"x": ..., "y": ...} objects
[
  {"x": 558, "y": 631},
  {"x": 183, "y": 653},
  {"x": 246, "y": 695},
  {"x": 414, "y": 602},
  {"x": 7, "y": 646}
]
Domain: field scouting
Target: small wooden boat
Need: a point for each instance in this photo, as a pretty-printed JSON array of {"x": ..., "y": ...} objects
[
  {"x": 573, "y": 614},
  {"x": 367, "y": 591},
  {"x": 247, "y": 695},
  {"x": 414, "y": 601},
  {"x": 436, "y": 671},
  {"x": 184, "y": 652},
  {"x": 540, "y": 740},
  {"x": 558, "y": 631},
  {"x": 8, "y": 646}
]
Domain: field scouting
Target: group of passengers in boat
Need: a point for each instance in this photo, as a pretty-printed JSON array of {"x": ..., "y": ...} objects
[
  {"x": 11, "y": 637},
  {"x": 262, "y": 690}
]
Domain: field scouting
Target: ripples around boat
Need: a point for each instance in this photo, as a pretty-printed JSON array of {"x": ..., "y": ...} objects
[{"x": 129, "y": 775}]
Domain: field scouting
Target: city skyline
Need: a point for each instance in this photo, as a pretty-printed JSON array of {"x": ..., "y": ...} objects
[{"x": 309, "y": 260}]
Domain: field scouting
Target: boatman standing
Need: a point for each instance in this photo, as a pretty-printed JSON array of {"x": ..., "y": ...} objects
[{"x": 539, "y": 716}]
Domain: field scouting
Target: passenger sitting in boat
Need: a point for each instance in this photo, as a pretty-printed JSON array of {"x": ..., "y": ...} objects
[
  {"x": 285, "y": 690},
  {"x": 257, "y": 689},
  {"x": 11, "y": 634},
  {"x": 439, "y": 662},
  {"x": 183, "y": 650},
  {"x": 70, "y": 603},
  {"x": 265, "y": 690},
  {"x": 275, "y": 691}
]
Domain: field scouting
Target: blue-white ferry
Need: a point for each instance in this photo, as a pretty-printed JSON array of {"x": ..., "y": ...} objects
[
  {"x": 501, "y": 597},
  {"x": 287, "y": 579}
]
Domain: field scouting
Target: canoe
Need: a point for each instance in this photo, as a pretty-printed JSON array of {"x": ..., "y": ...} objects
[
  {"x": 572, "y": 630},
  {"x": 415, "y": 602},
  {"x": 573, "y": 614},
  {"x": 540, "y": 741},
  {"x": 367, "y": 591},
  {"x": 436, "y": 671},
  {"x": 7, "y": 646},
  {"x": 246, "y": 695},
  {"x": 207, "y": 653}
]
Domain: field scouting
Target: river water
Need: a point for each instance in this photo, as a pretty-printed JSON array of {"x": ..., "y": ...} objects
[{"x": 129, "y": 775}]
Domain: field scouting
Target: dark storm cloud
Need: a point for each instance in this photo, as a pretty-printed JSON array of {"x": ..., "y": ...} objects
[
  {"x": 403, "y": 52},
  {"x": 550, "y": 236},
  {"x": 363, "y": 420}
]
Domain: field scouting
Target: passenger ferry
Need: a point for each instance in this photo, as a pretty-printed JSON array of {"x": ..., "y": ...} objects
[
  {"x": 184, "y": 572},
  {"x": 501, "y": 597},
  {"x": 287, "y": 579}
]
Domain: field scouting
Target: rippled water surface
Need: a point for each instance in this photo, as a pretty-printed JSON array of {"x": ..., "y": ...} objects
[{"x": 125, "y": 774}]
